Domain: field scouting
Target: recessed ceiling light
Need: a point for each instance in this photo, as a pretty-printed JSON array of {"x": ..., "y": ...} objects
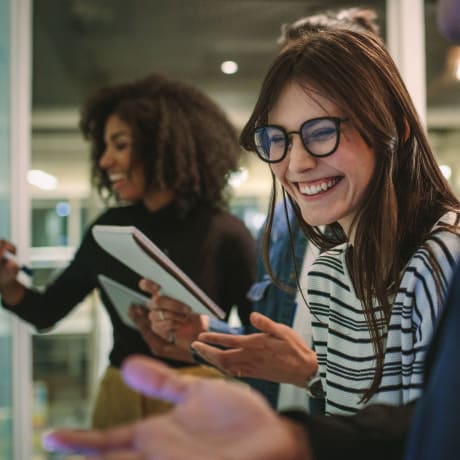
[{"x": 229, "y": 67}]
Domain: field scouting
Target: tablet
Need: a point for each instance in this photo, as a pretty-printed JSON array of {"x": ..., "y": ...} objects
[
  {"x": 129, "y": 245},
  {"x": 122, "y": 298}
]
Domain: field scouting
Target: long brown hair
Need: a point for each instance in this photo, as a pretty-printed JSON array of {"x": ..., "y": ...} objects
[{"x": 407, "y": 193}]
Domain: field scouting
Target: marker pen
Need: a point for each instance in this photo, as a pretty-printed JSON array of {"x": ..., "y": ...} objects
[{"x": 24, "y": 268}]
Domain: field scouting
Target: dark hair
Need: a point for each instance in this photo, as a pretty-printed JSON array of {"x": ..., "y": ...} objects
[
  {"x": 407, "y": 193},
  {"x": 183, "y": 139},
  {"x": 358, "y": 19}
]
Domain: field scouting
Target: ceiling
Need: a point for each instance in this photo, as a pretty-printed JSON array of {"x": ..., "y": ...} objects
[{"x": 80, "y": 45}]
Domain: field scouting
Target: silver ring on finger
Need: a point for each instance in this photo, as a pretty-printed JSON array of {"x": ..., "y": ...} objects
[
  {"x": 161, "y": 315},
  {"x": 172, "y": 337}
]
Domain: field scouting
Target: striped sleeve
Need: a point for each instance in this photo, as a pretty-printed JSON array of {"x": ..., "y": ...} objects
[
  {"x": 421, "y": 307},
  {"x": 341, "y": 336}
]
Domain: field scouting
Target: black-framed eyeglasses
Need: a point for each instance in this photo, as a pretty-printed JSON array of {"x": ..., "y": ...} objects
[{"x": 320, "y": 137}]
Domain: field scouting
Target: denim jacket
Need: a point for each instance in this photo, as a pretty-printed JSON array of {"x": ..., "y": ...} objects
[{"x": 268, "y": 298}]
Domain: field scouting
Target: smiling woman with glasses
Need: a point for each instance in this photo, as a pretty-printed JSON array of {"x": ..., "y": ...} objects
[{"x": 355, "y": 158}]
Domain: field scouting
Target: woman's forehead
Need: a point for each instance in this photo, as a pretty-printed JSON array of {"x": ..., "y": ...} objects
[{"x": 295, "y": 96}]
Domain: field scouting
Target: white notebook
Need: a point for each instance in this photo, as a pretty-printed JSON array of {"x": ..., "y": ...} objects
[
  {"x": 129, "y": 245},
  {"x": 122, "y": 298}
]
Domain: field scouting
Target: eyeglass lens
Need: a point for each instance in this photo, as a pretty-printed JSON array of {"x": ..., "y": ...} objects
[{"x": 319, "y": 137}]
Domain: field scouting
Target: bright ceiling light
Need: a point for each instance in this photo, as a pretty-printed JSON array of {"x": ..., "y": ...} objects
[
  {"x": 229, "y": 67},
  {"x": 446, "y": 171},
  {"x": 41, "y": 179}
]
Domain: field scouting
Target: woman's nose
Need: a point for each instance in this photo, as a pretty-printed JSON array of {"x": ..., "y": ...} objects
[
  {"x": 299, "y": 158},
  {"x": 105, "y": 160}
]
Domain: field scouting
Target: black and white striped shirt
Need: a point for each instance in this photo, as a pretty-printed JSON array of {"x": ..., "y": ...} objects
[{"x": 341, "y": 336}]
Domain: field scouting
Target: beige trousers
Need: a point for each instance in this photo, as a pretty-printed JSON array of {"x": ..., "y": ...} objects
[{"x": 117, "y": 404}]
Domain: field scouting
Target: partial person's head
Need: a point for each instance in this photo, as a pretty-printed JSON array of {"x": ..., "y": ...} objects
[
  {"x": 357, "y": 19},
  {"x": 156, "y": 138},
  {"x": 448, "y": 19}
]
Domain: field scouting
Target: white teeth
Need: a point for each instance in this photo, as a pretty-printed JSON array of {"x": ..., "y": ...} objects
[
  {"x": 115, "y": 177},
  {"x": 315, "y": 189}
]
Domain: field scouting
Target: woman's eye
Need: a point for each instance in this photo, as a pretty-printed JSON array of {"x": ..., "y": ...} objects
[
  {"x": 321, "y": 134},
  {"x": 122, "y": 146},
  {"x": 277, "y": 139}
]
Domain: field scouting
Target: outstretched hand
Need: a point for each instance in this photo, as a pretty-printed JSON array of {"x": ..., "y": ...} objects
[
  {"x": 213, "y": 419},
  {"x": 277, "y": 353}
]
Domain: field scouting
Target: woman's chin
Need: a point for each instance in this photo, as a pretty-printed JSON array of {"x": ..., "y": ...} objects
[{"x": 318, "y": 220}]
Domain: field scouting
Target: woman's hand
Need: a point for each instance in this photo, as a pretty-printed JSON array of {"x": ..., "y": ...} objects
[
  {"x": 8, "y": 268},
  {"x": 11, "y": 291},
  {"x": 277, "y": 353},
  {"x": 158, "y": 346},
  {"x": 168, "y": 316}
]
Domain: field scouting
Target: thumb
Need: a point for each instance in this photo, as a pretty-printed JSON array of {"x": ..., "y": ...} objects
[
  {"x": 149, "y": 286},
  {"x": 265, "y": 324},
  {"x": 152, "y": 378}
]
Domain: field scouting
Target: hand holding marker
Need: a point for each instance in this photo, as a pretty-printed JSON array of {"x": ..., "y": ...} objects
[{"x": 24, "y": 268}]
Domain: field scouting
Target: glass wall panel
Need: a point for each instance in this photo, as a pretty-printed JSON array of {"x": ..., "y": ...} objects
[{"x": 5, "y": 320}]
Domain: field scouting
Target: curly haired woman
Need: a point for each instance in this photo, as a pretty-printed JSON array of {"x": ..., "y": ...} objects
[{"x": 165, "y": 151}]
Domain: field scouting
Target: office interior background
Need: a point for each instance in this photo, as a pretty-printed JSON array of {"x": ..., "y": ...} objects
[{"x": 52, "y": 54}]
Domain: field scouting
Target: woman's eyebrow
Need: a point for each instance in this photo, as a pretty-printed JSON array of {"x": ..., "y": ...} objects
[{"x": 115, "y": 136}]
